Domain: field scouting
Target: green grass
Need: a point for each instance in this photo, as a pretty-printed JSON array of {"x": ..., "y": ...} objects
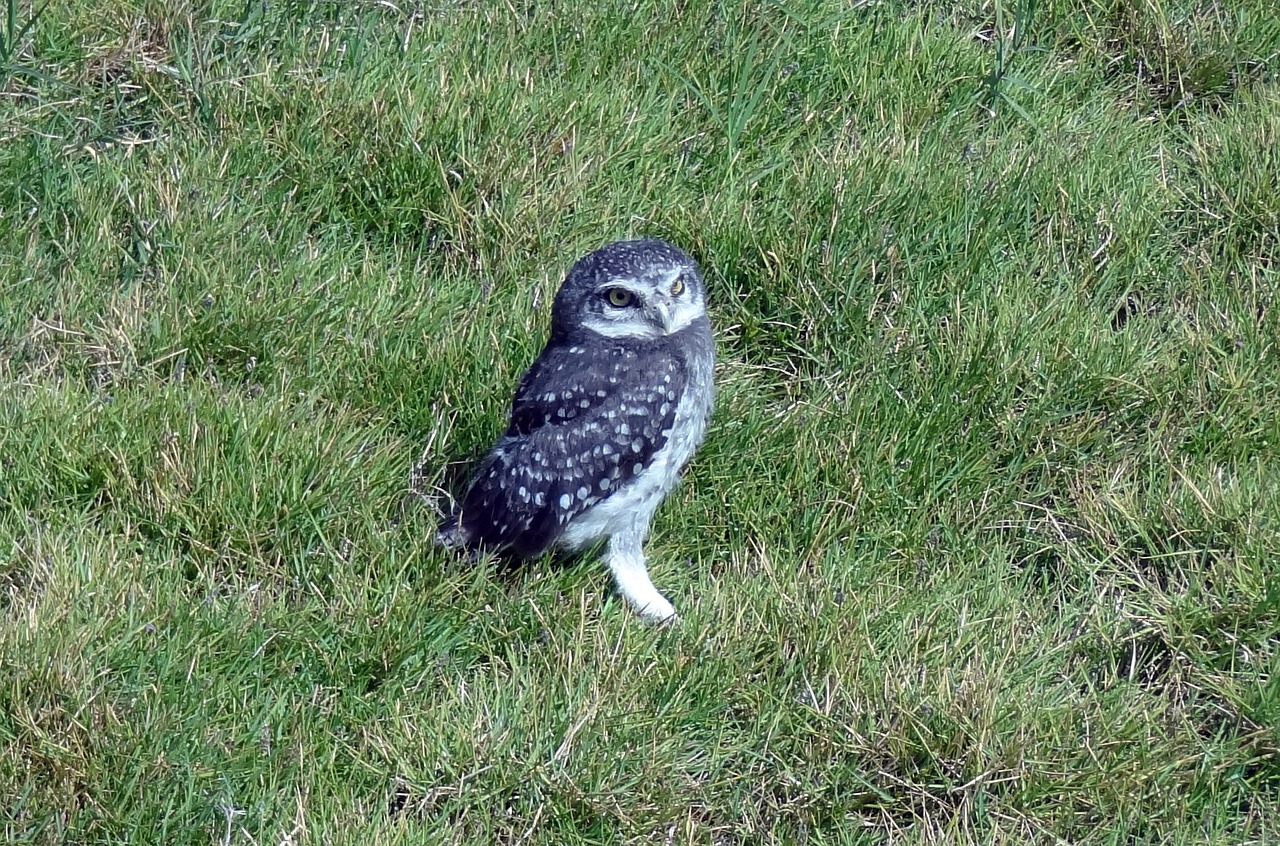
[{"x": 983, "y": 544}]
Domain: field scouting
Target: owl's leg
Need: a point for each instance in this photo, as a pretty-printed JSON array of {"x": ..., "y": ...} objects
[{"x": 626, "y": 561}]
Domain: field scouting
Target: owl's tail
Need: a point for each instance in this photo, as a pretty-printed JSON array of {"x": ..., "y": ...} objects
[{"x": 450, "y": 534}]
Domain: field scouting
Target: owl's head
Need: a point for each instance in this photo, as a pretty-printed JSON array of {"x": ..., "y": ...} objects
[{"x": 630, "y": 289}]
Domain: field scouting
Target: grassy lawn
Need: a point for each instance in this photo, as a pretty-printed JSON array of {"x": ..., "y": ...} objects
[{"x": 983, "y": 545}]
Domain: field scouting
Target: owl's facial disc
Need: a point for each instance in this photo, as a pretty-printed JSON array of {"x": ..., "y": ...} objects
[{"x": 650, "y": 307}]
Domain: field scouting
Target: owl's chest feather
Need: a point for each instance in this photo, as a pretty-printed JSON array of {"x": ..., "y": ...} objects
[{"x": 629, "y": 508}]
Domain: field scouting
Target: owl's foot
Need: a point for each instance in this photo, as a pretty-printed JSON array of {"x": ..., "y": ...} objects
[
  {"x": 627, "y": 564},
  {"x": 656, "y": 610}
]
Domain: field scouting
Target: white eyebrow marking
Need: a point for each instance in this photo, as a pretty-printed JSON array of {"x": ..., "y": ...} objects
[{"x": 621, "y": 329}]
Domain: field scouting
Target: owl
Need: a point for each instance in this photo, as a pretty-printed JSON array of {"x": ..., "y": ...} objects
[{"x": 603, "y": 421}]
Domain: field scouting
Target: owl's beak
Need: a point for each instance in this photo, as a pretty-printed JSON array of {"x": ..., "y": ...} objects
[{"x": 665, "y": 315}]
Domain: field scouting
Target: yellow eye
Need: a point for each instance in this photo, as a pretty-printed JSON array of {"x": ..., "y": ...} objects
[
  {"x": 619, "y": 297},
  {"x": 677, "y": 287}
]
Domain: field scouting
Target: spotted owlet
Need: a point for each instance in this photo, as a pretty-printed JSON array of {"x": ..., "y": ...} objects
[{"x": 603, "y": 421}]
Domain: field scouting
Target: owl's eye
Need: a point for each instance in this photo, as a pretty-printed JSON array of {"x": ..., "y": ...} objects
[
  {"x": 677, "y": 287},
  {"x": 619, "y": 297}
]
